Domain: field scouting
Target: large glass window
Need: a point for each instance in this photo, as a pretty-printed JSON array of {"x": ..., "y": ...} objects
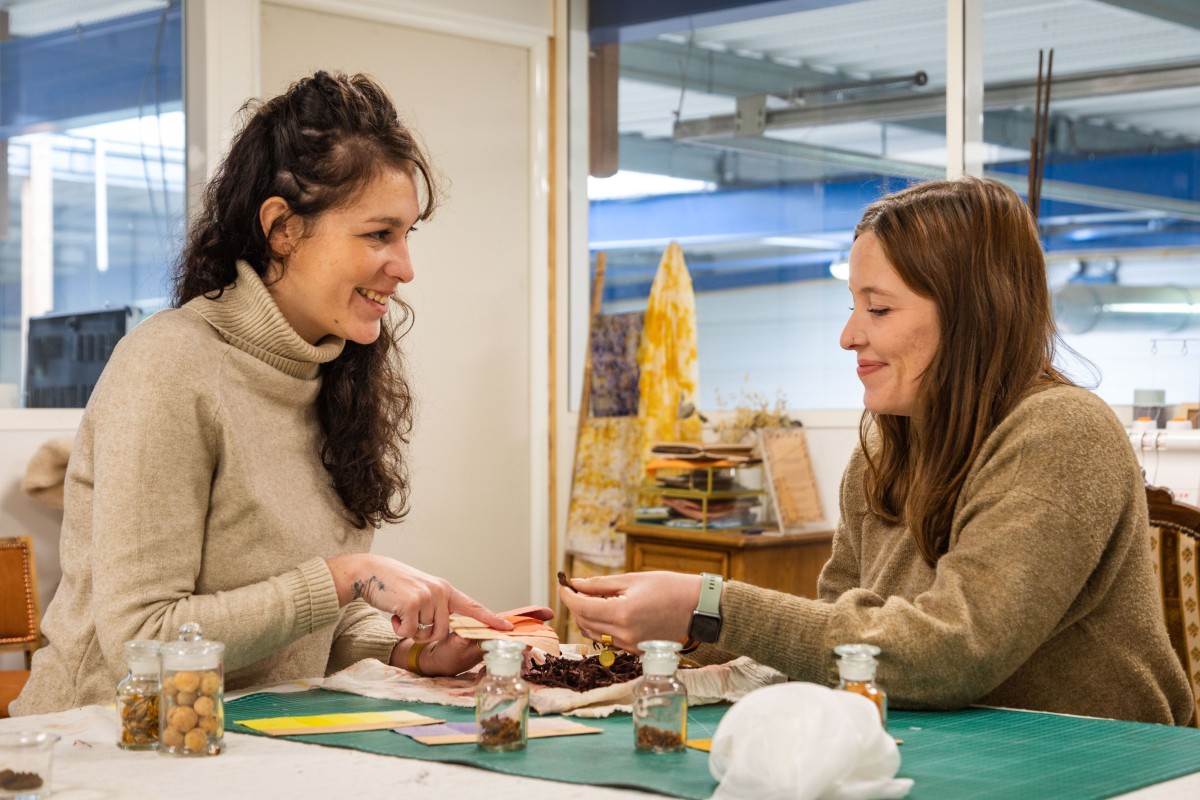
[
  {"x": 756, "y": 141},
  {"x": 1120, "y": 197},
  {"x": 91, "y": 118}
]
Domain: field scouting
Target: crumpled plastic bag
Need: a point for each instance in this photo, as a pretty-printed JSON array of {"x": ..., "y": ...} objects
[
  {"x": 801, "y": 741},
  {"x": 711, "y": 684}
]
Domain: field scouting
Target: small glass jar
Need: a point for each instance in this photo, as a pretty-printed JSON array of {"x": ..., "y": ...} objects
[
  {"x": 659, "y": 700},
  {"x": 137, "y": 697},
  {"x": 192, "y": 700},
  {"x": 856, "y": 665},
  {"x": 502, "y": 699}
]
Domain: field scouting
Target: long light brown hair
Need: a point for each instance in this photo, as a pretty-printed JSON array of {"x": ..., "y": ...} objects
[
  {"x": 972, "y": 247},
  {"x": 316, "y": 146}
]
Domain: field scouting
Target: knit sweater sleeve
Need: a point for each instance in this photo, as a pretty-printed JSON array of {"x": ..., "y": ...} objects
[
  {"x": 362, "y": 632},
  {"x": 842, "y": 571},
  {"x": 744, "y": 606},
  {"x": 1034, "y": 519},
  {"x": 150, "y": 427}
]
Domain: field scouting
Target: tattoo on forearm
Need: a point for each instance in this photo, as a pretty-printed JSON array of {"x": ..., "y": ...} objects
[{"x": 366, "y": 590}]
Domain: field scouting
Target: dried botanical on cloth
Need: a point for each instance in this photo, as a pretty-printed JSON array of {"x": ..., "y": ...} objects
[{"x": 709, "y": 684}]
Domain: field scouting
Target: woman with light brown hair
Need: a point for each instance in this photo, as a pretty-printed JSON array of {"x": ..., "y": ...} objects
[{"x": 993, "y": 538}]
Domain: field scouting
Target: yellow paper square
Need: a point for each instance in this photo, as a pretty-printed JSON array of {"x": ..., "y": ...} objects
[{"x": 337, "y": 723}]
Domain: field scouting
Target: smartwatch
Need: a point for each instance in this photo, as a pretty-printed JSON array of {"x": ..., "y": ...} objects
[{"x": 706, "y": 619}]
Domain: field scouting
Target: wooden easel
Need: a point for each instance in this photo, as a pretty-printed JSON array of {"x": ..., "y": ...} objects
[{"x": 585, "y": 404}]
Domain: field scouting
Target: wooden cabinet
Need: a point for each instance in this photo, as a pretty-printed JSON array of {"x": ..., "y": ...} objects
[{"x": 787, "y": 563}]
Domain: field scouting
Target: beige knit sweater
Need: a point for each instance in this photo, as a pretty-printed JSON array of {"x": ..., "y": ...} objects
[
  {"x": 195, "y": 493},
  {"x": 1046, "y": 599}
]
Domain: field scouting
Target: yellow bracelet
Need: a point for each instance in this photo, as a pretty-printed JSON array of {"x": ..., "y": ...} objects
[{"x": 414, "y": 653}]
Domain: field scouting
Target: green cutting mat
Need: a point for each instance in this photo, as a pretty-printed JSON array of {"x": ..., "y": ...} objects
[
  {"x": 604, "y": 759},
  {"x": 952, "y": 755},
  {"x": 990, "y": 753}
]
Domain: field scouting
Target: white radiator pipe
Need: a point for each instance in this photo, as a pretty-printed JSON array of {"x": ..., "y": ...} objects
[{"x": 1162, "y": 439}]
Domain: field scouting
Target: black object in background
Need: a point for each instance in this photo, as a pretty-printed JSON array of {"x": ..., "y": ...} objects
[{"x": 68, "y": 351}]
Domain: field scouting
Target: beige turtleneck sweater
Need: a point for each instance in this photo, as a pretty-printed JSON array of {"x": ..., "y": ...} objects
[
  {"x": 1046, "y": 599},
  {"x": 195, "y": 494}
]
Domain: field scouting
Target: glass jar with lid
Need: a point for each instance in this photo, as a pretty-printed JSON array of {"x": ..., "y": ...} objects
[
  {"x": 856, "y": 666},
  {"x": 502, "y": 699},
  {"x": 137, "y": 697},
  {"x": 192, "y": 700},
  {"x": 659, "y": 700}
]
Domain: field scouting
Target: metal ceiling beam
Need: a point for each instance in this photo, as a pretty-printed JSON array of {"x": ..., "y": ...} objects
[
  {"x": 715, "y": 71},
  {"x": 1051, "y": 190},
  {"x": 911, "y": 105},
  {"x": 685, "y": 159},
  {"x": 1181, "y": 12}
]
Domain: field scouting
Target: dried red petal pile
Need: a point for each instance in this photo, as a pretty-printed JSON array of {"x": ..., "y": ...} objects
[{"x": 583, "y": 675}]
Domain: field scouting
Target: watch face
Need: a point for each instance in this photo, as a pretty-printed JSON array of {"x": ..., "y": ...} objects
[{"x": 705, "y": 627}]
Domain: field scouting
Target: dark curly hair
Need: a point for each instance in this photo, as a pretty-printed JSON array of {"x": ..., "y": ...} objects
[{"x": 317, "y": 146}]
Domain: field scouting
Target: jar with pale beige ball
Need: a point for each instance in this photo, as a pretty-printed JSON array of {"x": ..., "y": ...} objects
[{"x": 191, "y": 706}]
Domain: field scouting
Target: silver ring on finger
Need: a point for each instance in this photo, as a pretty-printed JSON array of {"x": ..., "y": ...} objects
[{"x": 424, "y": 626}]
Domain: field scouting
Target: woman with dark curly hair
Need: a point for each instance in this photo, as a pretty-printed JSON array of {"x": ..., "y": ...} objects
[{"x": 240, "y": 449}]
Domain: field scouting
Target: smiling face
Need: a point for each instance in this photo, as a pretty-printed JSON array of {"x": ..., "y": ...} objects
[
  {"x": 892, "y": 329},
  {"x": 338, "y": 280}
]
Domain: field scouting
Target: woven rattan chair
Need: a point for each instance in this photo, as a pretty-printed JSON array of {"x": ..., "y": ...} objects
[
  {"x": 1175, "y": 543},
  {"x": 20, "y": 618}
]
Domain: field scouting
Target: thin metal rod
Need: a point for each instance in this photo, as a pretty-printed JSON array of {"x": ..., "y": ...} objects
[
  {"x": 1031, "y": 192},
  {"x": 1045, "y": 127}
]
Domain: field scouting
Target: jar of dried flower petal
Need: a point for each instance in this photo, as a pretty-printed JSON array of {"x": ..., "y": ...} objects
[{"x": 137, "y": 697}]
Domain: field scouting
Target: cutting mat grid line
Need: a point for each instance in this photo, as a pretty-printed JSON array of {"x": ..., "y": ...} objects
[
  {"x": 996, "y": 753},
  {"x": 960, "y": 755}
]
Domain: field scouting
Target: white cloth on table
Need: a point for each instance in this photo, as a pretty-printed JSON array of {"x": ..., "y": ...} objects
[{"x": 711, "y": 684}]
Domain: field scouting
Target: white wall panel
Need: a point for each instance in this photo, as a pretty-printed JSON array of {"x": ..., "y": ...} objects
[{"x": 469, "y": 352}]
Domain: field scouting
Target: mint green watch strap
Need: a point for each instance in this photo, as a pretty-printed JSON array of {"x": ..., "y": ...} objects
[{"x": 710, "y": 594}]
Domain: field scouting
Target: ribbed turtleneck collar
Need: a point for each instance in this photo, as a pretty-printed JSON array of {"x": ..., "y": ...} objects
[{"x": 247, "y": 317}]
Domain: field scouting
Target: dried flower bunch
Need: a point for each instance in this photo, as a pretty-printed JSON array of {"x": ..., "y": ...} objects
[
  {"x": 582, "y": 676},
  {"x": 751, "y": 410}
]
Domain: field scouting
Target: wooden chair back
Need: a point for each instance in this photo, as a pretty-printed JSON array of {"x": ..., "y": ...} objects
[
  {"x": 1175, "y": 545},
  {"x": 20, "y": 617}
]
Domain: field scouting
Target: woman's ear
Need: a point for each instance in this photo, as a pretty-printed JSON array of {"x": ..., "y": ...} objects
[{"x": 272, "y": 210}]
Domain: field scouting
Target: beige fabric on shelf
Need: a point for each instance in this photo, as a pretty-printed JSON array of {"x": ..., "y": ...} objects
[{"x": 47, "y": 471}]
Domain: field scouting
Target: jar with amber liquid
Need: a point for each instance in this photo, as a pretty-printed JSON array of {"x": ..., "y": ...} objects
[
  {"x": 192, "y": 704},
  {"x": 137, "y": 697},
  {"x": 659, "y": 700},
  {"x": 856, "y": 666}
]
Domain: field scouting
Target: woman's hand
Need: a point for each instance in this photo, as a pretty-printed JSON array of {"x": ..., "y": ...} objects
[
  {"x": 454, "y": 654},
  {"x": 450, "y": 656},
  {"x": 633, "y": 607},
  {"x": 420, "y": 604}
]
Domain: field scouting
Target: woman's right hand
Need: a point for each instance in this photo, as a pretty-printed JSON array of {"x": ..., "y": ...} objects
[{"x": 419, "y": 603}]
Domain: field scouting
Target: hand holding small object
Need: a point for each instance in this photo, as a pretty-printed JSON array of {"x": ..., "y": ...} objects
[{"x": 632, "y": 607}]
